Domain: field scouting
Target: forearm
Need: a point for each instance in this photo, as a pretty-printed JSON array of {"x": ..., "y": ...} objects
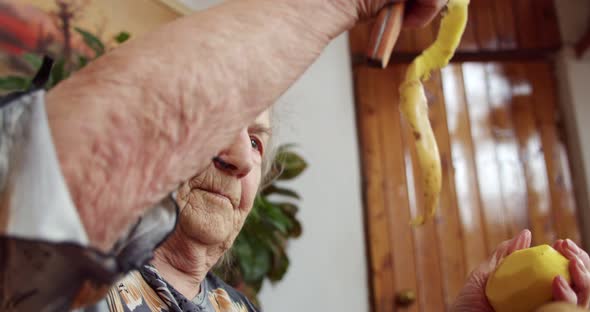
[{"x": 135, "y": 123}]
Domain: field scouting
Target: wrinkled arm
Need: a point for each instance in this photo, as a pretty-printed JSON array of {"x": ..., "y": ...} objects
[{"x": 132, "y": 125}]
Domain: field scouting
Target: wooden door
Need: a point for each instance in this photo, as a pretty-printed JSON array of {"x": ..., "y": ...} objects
[{"x": 505, "y": 168}]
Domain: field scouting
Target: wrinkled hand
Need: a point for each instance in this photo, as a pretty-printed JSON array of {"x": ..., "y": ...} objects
[
  {"x": 418, "y": 12},
  {"x": 473, "y": 298},
  {"x": 579, "y": 292}
]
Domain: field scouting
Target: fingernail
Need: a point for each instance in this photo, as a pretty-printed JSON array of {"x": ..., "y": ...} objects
[
  {"x": 521, "y": 242},
  {"x": 571, "y": 246},
  {"x": 523, "y": 239}
]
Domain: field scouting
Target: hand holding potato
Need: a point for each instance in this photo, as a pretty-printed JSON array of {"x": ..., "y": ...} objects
[{"x": 473, "y": 298}]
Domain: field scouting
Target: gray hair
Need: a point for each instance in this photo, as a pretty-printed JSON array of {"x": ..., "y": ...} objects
[{"x": 269, "y": 167}]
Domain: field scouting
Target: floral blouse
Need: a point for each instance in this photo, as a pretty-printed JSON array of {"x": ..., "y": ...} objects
[{"x": 146, "y": 291}]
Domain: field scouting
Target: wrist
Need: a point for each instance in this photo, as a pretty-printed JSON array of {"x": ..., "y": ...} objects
[{"x": 325, "y": 18}]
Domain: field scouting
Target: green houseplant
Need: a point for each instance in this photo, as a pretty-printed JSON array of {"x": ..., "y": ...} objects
[
  {"x": 259, "y": 251},
  {"x": 63, "y": 66}
]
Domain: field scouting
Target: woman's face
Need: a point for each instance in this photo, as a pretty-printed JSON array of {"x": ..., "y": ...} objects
[{"x": 215, "y": 204}]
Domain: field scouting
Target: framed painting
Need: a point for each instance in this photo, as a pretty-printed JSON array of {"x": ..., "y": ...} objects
[{"x": 52, "y": 27}]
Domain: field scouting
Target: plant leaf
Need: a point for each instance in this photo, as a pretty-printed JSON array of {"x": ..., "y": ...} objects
[
  {"x": 243, "y": 253},
  {"x": 14, "y": 83},
  {"x": 286, "y": 147},
  {"x": 58, "y": 73},
  {"x": 273, "y": 189},
  {"x": 34, "y": 60},
  {"x": 296, "y": 230},
  {"x": 251, "y": 292},
  {"x": 279, "y": 220},
  {"x": 288, "y": 208},
  {"x": 122, "y": 37},
  {"x": 91, "y": 41},
  {"x": 257, "y": 284},
  {"x": 280, "y": 264},
  {"x": 292, "y": 165},
  {"x": 82, "y": 61},
  {"x": 254, "y": 259}
]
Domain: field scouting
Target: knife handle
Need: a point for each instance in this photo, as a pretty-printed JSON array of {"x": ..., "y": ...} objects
[{"x": 384, "y": 34}]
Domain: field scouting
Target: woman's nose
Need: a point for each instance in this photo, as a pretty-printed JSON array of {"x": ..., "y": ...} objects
[{"x": 236, "y": 160}]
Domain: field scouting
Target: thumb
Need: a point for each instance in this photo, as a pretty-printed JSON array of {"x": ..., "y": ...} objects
[
  {"x": 520, "y": 241},
  {"x": 472, "y": 297}
]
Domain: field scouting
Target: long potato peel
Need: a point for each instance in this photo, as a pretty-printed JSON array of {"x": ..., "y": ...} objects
[{"x": 414, "y": 105}]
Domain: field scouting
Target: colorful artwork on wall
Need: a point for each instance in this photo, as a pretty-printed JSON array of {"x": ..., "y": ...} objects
[{"x": 25, "y": 29}]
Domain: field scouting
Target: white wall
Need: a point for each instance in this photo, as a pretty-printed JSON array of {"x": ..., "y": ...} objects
[
  {"x": 574, "y": 78},
  {"x": 328, "y": 263},
  {"x": 328, "y": 271}
]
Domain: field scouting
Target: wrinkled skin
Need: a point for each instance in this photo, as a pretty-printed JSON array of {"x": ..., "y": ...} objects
[
  {"x": 215, "y": 203},
  {"x": 213, "y": 207},
  {"x": 126, "y": 137}
]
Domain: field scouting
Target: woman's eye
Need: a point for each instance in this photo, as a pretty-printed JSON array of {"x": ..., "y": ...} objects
[{"x": 256, "y": 144}]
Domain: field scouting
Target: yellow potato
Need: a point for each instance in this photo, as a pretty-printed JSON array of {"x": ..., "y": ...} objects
[
  {"x": 414, "y": 106},
  {"x": 522, "y": 282},
  {"x": 560, "y": 307}
]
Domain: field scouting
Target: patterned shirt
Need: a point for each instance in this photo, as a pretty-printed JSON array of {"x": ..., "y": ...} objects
[{"x": 146, "y": 291}]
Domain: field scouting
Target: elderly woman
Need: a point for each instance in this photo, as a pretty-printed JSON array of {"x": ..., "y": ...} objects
[
  {"x": 90, "y": 172},
  {"x": 81, "y": 164},
  {"x": 213, "y": 208}
]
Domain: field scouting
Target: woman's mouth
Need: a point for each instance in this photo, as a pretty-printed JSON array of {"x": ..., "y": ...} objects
[{"x": 219, "y": 195}]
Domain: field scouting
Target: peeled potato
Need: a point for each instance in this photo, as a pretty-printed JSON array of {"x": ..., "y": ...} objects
[
  {"x": 522, "y": 282},
  {"x": 414, "y": 106},
  {"x": 560, "y": 307}
]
